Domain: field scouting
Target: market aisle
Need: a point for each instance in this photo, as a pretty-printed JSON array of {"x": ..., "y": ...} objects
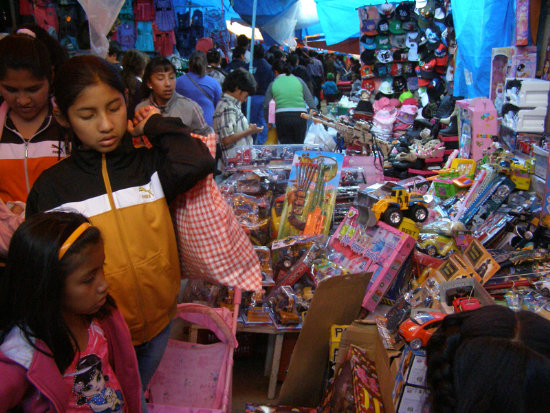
[{"x": 249, "y": 383}]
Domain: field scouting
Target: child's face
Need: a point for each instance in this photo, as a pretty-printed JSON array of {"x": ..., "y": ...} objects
[
  {"x": 86, "y": 287},
  {"x": 26, "y": 95},
  {"x": 98, "y": 117},
  {"x": 163, "y": 85}
]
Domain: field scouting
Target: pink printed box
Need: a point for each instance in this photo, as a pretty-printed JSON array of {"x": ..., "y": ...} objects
[{"x": 381, "y": 250}]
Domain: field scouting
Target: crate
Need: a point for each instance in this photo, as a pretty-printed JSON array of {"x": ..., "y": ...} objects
[{"x": 541, "y": 161}]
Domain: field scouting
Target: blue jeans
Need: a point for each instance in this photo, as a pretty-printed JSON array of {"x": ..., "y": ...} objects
[
  {"x": 257, "y": 117},
  {"x": 149, "y": 355}
]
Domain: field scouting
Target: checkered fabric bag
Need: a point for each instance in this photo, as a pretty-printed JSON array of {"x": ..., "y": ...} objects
[{"x": 211, "y": 242}]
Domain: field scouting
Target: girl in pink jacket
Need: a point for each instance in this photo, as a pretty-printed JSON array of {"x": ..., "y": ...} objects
[{"x": 64, "y": 346}]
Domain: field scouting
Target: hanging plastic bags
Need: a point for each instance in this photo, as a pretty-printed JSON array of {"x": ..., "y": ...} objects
[
  {"x": 318, "y": 135},
  {"x": 211, "y": 242}
]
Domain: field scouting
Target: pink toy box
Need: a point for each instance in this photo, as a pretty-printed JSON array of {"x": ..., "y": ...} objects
[
  {"x": 478, "y": 128},
  {"x": 381, "y": 249}
]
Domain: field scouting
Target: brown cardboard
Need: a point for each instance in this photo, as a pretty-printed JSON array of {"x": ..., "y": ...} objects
[
  {"x": 365, "y": 335},
  {"x": 337, "y": 300}
]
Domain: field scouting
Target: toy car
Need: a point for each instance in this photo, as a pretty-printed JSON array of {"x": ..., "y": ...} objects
[
  {"x": 418, "y": 329},
  {"x": 437, "y": 244},
  {"x": 461, "y": 304}
]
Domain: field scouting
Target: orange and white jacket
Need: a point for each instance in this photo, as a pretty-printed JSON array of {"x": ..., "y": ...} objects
[{"x": 22, "y": 161}]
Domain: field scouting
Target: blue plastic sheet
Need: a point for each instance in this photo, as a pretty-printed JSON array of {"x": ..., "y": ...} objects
[
  {"x": 266, "y": 9},
  {"x": 480, "y": 26}
]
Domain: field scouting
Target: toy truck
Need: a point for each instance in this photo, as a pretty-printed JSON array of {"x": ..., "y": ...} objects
[
  {"x": 248, "y": 156},
  {"x": 391, "y": 207}
]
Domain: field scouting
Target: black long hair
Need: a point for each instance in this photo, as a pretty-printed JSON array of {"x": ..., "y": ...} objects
[
  {"x": 156, "y": 64},
  {"x": 33, "y": 283},
  {"x": 20, "y": 51},
  {"x": 490, "y": 360},
  {"x": 80, "y": 72}
]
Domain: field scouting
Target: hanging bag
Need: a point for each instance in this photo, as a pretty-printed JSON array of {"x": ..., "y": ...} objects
[{"x": 211, "y": 242}]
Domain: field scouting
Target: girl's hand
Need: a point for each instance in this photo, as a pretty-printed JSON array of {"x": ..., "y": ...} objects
[{"x": 135, "y": 127}]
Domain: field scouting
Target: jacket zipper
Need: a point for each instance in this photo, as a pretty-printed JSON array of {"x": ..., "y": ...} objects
[
  {"x": 109, "y": 190},
  {"x": 26, "y": 143}
]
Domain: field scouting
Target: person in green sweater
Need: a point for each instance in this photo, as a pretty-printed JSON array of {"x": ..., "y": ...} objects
[{"x": 291, "y": 95}]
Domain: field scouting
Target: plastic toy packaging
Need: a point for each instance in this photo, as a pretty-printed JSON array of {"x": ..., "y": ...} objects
[
  {"x": 286, "y": 251},
  {"x": 264, "y": 255},
  {"x": 283, "y": 304},
  {"x": 324, "y": 268},
  {"x": 202, "y": 292},
  {"x": 257, "y": 311},
  {"x": 265, "y": 156},
  {"x": 252, "y": 213}
]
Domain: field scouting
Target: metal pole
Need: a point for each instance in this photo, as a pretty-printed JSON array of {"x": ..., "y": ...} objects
[
  {"x": 13, "y": 16},
  {"x": 250, "y": 65}
]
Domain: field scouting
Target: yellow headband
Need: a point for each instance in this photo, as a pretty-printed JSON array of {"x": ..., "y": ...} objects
[{"x": 72, "y": 238}]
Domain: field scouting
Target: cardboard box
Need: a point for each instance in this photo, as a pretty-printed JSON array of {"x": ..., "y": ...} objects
[
  {"x": 336, "y": 331},
  {"x": 337, "y": 300},
  {"x": 365, "y": 335}
]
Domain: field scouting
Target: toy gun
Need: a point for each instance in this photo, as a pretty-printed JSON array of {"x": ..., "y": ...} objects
[{"x": 357, "y": 133}]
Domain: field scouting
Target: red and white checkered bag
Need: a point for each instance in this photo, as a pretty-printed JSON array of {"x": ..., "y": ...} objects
[{"x": 211, "y": 242}]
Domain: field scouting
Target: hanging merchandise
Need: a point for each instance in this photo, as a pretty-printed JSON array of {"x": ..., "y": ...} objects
[
  {"x": 126, "y": 14},
  {"x": 405, "y": 40},
  {"x": 144, "y": 10},
  {"x": 46, "y": 17},
  {"x": 144, "y": 38},
  {"x": 164, "y": 41},
  {"x": 165, "y": 15},
  {"x": 126, "y": 35}
]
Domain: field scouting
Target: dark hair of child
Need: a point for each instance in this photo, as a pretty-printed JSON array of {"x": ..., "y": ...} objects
[
  {"x": 259, "y": 51},
  {"x": 20, "y": 51},
  {"x": 133, "y": 65},
  {"x": 32, "y": 287},
  {"x": 238, "y": 52},
  {"x": 239, "y": 78},
  {"x": 115, "y": 49},
  {"x": 58, "y": 54},
  {"x": 280, "y": 66},
  {"x": 197, "y": 63},
  {"x": 213, "y": 56},
  {"x": 243, "y": 41},
  {"x": 490, "y": 360},
  {"x": 155, "y": 65},
  {"x": 79, "y": 73}
]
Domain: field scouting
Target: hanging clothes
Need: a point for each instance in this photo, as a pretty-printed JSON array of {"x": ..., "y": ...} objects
[
  {"x": 144, "y": 38},
  {"x": 25, "y": 8},
  {"x": 127, "y": 11},
  {"x": 144, "y": 10},
  {"x": 165, "y": 16},
  {"x": 126, "y": 36},
  {"x": 164, "y": 41},
  {"x": 46, "y": 17}
]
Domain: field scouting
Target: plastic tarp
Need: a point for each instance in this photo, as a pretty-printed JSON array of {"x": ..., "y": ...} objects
[
  {"x": 101, "y": 16},
  {"x": 265, "y": 10},
  {"x": 480, "y": 26},
  {"x": 339, "y": 18}
]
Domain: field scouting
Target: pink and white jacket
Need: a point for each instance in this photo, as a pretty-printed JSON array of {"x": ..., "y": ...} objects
[{"x": 32, "y": 381}]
